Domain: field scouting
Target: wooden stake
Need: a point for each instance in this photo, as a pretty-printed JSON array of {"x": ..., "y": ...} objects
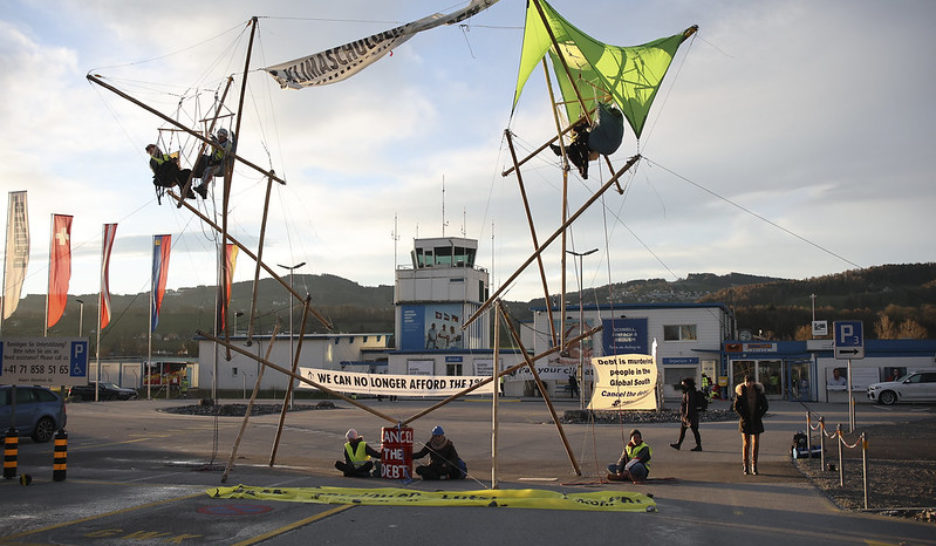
[
  {"x": 289, "y": 389},
  {"x": 250, "y": 403}
]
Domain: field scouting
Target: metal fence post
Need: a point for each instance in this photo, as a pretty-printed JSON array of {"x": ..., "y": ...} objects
[
  {"x": 822, "y": 442},
  {"x": 864, "y": 466},
  {"x": 838, "y": 435}
]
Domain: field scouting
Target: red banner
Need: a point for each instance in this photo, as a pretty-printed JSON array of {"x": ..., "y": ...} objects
[
  {"x": 59, "y": 268},
  {"x": 230, "y": 256},
  {"x": 396, "y": 453}
]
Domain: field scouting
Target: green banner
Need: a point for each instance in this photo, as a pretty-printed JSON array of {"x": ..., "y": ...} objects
[{"x": 628, "y": 76}]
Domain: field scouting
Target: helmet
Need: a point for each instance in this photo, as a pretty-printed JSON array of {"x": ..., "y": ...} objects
[
  {"x": 222, "y": 133},
  {"x": 437, "y": 431}
]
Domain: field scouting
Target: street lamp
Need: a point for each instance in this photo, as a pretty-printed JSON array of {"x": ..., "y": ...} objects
[
  {"x": 291, "y": 269},
  {"x": 80, "y": 315},
  {"x": 237, "y": 314},
  {"x": 581, "y": 370}
]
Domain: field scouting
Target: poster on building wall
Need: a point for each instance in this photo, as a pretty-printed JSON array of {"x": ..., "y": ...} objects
[
  {"x": 623, "y": 336},
  {"x": 396, "y": 385},
  {"x": 624, "y": 382},
  {"x": 432, "y": 327}
]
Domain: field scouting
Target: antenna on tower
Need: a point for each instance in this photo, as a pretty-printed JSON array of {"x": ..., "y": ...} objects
[
  {"x": 395, "y": 235},
  {"x": 444, "y": 223},
  {"x": 464, "y": 222}
]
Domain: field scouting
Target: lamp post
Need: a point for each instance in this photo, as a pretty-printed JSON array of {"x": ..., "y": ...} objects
[
  {"x": 80, "y": 316},
  {"x": 238, "y": 314},
  {"x": 291, "y": 269},
  {"x": 581, "y": 370}
]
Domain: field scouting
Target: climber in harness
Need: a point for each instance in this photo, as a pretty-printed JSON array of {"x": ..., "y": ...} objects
[
  {"x": 166, "y": 172},
  {"x": 215, "y": 163},
  {"x": 602, "y": 137}
]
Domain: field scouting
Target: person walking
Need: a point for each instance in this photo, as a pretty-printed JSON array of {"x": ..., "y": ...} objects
[
  {"x": 689, "y": 413},
  {"x": 751, "y": 406}
]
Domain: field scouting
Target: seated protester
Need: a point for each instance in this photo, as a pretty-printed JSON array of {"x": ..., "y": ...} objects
[
  {"x": 214, "y": 164},
  {"x": 166, "y": 172},
  {"x": 443, "y": 459},
  {"x": 357, "y": 461},
  {"x": 602, "y": 137},
  {"x": 634, "y": 464}
]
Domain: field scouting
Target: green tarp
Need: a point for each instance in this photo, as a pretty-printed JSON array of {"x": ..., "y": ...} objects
[{"x": 629, "y": 76}]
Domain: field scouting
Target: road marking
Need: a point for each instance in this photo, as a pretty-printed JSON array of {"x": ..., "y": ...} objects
[
  {"x": 296, "y": 525},
  {"x": 104, "y": 515}
]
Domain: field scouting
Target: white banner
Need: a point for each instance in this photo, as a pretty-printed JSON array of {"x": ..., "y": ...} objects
[
  {"x": 17, "y": 252},
  {"x": 397, "y": 385},
  {"x": 342, "y": 62},
  {"x": 624, "y": 382}
]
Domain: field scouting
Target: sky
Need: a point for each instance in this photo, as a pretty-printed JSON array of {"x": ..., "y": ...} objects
[{"x": 789, "y": 139}]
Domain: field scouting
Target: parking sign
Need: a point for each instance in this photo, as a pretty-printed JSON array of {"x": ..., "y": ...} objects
[{"x": 849, "y": 339}]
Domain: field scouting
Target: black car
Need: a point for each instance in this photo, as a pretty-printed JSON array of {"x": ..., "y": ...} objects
[
  {"x": 39, "y": 411},
  {"x": 106, "y": 391}
]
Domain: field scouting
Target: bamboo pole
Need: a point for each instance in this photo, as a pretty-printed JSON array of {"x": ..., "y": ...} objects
[
  {"x": 630, "y": 163},
  {"x": 96, "y": 80},
  {"x": 544, "y": 392},
  {"x": 495, "y": 400},
  {"x": 253, "y": 297},
  {"x": 529, "y": 215},
  {"x": 289, "y": 389},
  {"x": 481, "y": 383},
  {"x": 250, "y": 403},
  {"x": 226, "y": 197},
  {"x": 253, "y": 256},
  {"x": 299, "y": 377}
]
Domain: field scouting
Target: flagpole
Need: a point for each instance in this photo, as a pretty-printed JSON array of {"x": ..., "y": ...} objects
[
  {"x": 149, "y": 335},
  {"x": 6, "y": 251},
  {"x": 100, "y": 309},
  {"x": 45, "y": 321}
]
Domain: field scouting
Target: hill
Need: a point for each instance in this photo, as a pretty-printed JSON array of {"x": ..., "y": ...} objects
[{"x": 893, "y": 301}]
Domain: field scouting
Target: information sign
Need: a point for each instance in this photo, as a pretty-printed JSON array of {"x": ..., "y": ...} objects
[{"x": 45, "y": 361}]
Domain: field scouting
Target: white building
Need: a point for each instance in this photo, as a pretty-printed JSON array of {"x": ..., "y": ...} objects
[{"x": 688, "y": 337}]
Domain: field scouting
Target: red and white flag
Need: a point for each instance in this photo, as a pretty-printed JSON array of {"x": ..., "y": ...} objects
[
  {"x": 110, "y": 231},
  {"x": 59, "y": 268}
]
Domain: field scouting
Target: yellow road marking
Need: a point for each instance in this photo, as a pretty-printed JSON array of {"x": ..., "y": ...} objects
[
  {"x": 104, "y": 515},
  {"x": 296, "y": 525}
]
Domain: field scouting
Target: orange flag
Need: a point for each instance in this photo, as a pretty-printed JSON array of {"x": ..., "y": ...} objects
[
  {"x": 59, "y": 268},
  {"x": 230, "y": 256}
]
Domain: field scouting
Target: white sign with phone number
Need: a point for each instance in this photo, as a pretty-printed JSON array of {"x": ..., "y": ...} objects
[{"x": 43, "y": 361}]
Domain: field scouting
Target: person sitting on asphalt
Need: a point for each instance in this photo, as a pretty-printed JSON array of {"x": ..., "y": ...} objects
[
  {"x": 444, "y": 462},
  {"x": 357, "y": 461},
  {"x": 634, "y": 464}
]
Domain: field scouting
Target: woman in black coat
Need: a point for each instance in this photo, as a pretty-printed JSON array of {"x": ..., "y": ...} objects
[{"x": 751, "y": 406}]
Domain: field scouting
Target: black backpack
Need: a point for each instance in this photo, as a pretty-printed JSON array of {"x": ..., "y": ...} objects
[{"x": 701, "y": 401}]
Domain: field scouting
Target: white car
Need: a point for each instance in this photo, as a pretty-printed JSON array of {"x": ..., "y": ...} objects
[{"x": 917, "y": 386}]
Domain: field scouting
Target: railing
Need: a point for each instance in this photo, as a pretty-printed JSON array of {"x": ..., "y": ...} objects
[{"x": 860, "y": 442}]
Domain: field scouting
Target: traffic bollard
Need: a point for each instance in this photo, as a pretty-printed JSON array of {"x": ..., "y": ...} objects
[
  {"x": 10, "y": 451},
  {"x": 60, "y": 457}
]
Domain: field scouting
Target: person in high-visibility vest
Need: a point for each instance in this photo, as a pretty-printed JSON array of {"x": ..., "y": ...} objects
[
  {"x": 357, "y": 461},
  {"x": 634, "y": 464}
]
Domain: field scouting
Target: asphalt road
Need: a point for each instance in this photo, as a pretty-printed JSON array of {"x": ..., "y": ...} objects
[{"x": 137, "y": 475}]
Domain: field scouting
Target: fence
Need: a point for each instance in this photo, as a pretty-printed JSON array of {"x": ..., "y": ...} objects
[{"x": 839, "y": 437}]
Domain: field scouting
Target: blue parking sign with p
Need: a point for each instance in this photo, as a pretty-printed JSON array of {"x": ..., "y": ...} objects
[{"x": 78, "y": 361}]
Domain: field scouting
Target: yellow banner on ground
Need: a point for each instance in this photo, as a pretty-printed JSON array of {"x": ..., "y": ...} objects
[{"x": 610, "y": 501}]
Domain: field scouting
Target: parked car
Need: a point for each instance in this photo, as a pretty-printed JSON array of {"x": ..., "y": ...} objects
[
  {"x": 919, "y": 386},
  {"x": 106, "y": 391},
  {"x": 39, "y": 411}
]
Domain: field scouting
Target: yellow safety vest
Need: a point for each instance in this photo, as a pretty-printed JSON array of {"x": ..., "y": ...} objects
[
  {"x": 632, "y": 451},
  {"x": 357, "y": 456}
]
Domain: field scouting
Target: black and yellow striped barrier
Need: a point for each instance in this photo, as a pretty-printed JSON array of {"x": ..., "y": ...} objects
[
  {"x": 10, "y": 452},
  {"x": 60, "y": 460}
]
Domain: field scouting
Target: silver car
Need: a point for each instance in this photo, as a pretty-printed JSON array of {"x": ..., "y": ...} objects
[{"x": 919, "y": 386}]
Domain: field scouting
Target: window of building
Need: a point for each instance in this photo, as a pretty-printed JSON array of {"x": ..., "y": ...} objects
[
  {"x": 680, "y": 332},
  {"x": 453, "y": 369}
]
